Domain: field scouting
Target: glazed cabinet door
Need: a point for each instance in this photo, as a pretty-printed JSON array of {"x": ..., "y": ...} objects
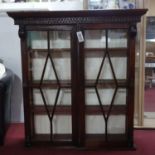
[
  {"x": 50, "y": 83},
  {"x": 105, "y": 55}
]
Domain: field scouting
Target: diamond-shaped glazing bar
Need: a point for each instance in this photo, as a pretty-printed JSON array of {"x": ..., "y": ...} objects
[
  {"x": 106, "y": 114},
  {"x": 50, "y": 113}
]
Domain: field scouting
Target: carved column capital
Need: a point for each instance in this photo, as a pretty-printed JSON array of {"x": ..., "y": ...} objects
[
  {"x": 133, "y": 30},
  {"x": 22, "y": 32}
]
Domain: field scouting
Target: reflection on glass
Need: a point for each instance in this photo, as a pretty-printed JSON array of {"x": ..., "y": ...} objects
[
  {"x": 95, "y": 39},
  {"x": 59, "y": 39},
  {"x": 149, "y": 99},
  {"x": 117, "y": 38},
  {"x": 37, "y": 40}
]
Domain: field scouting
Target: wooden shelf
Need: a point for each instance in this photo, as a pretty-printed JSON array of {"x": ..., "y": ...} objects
[
  {"x": 96, "y": 110},
  {"x": 55, "y": 53},
  {"x": 106, "y": 84},
  {"x": 58, "y": 139},
  {"x": 89, "y": 52},
  {"x": 90, "y": 110},
  {"x": 88, "y": 84},
  {"x": 64, "y": 110},
  {"x": 92, "y": 140},
  {"x": 99, "y": 140},
  {"x": 150, "y": 59},
  {"x": 50, "y": 84},
  {"x": 99, "y": 52}
]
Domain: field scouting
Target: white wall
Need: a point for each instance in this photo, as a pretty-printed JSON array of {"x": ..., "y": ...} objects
[{"x": 10, "y": 53}]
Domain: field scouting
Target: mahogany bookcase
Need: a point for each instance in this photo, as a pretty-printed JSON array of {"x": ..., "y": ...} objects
[{"x": 78, "y": 76}]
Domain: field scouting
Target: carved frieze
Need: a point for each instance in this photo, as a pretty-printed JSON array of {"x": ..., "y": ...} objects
[{"x": 75, "y": 20}]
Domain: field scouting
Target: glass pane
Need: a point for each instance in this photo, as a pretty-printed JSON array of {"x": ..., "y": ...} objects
[
  {"x": 38, "y": 60},
  {"x": 117, "y": 44},
  {"x": 61, "y": 124},
  {"x": 64, "y": 97},
  {"x": 37, "y": 40},
  {"x": 117, "y": 38},
  {"x": 120, "y": 67},
  {"x": 59, "y": 39},
  {"x": 95, "y": 124},
  {"x": 116, "y": 124},
  {"x": 63, "y": 66},
  {"x": 91, "y": 97},
  {"x": 92, "y": 66},
  {"x": 120, "y": 98},
  {"x": 95, "y": 39},
  {"x": 105, "y": 96},
  {"x": 42, "y": 124},
  {"x": 61, "y": 61}
]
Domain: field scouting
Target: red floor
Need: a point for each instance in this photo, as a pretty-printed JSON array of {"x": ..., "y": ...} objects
[
  {"x": 149, "y": 100},
  {"x": 144, "y": 140}
]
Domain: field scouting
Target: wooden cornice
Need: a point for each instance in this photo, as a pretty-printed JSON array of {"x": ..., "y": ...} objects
[{"x": 74, "y": 17}]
